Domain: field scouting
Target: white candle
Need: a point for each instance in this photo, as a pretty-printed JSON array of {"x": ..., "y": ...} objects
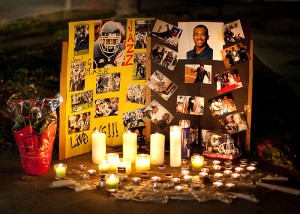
[
  {"x": 130, "y": 146},
  {"x": 98, "y": 147},
  {"x": 113, "y": 160},
  {"x": 112, "y": 182},
  {"x": 142, "y": 162},
  {"x": 175, "y": 146},
  {"x": 157, "y": 149}
]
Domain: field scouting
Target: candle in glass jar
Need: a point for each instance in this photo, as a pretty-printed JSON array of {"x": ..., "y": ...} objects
[
  {"x": 104, "y": 167},
  {"x": 197, "y": 162},
  {"x": 113, "y": 160},
  {"x": 60, "y": 170},
  {"x": 175, "y": 146},
  {"x": 142, "y": 162},
  {"x": 130, "y": 146},
  {"x": 112, "y": 182},
  {"x": 124, "y": 167},
  {"x": 157, "y": 149},
  {"x": 98, "y": 147}
]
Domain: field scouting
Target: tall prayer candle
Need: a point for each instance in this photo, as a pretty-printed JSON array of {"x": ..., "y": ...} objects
[
  {"x": 175, "y": 146},
  {"x": 157, "y": 149},
  {"x": 130, "y": 146},
  {"x": 98, "y": 147}
]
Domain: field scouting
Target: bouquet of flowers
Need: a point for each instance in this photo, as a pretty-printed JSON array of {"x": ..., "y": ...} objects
[{"x": 34, "y": 130}]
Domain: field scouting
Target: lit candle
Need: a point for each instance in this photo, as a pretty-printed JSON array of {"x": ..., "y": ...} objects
[
  {"x": 136, "y": 180},
  {"x": 92, "y": 172},
  {"x": 238, "y": 169},
  {"x": 197, "y": 162},
  {"x": 113, "y": 159},
  {"x": 230, "y": 185},
  {"x": 142, "y": 162},
  {"x": 157, "y": 149},
  {"x": 155, "y": 178},
  {"x": 179, "y": 188},
  {"x": 124, "y": 168},
  {"x": 217, "y": 184},
  {"x": 251, "y": 168},
  {"x": 175, "y": 180},
  {"x": 104, "y": 167},
  {"x": 216, "y": 162},
  {"x": 187, "y": 178},
  {"x": 112, "y": 182},
  {"x": 227, "y": 172},
  {"x": 218, "y": 175},
  {"x": 175, "y": 146},
  {"x": 203, "y": 174},
  {"x": 60, "y": 170},
  {"x": 185, "y": 172},
  {"x": 216, "y": 167},
  {"x": 98, "y": 147},
  {"x": 130, "y": 146},
  {"x": 205, "y": 169},
  {"x": 235, "y": 175}
]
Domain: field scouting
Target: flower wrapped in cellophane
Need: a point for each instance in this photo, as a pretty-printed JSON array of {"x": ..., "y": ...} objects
[{"x": 34, "y": 130}]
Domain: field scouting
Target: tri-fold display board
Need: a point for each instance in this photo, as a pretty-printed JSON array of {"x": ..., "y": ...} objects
[{"x": 145, "y": 74}]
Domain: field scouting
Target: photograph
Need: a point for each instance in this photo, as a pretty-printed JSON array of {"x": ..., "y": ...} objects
[
  {"x": 234, "y": 123},
  {"x": 197, "y": 73},
  {"x": 133, "y": 119},
  {"x": 221, "y": 105},
  {"x": 139, "y": 66},
  {"x": 109, "y": 43},
  {"x": 166, "y": 32},
  {"x": 227, "y": 81},
  {"x": 108, "y": 83},
  {"x": 201, "y": 40},
  {"x": 158, "y": 114},
  {"x": 136, "y": 94},
  {"x": 82, "y": 100},
  {"x": 190, "y": 105},
  {"x": 79, "y": 122},
  {"x": 233, "y": 32},
  {"x": 81, "y": 40},
  {"x": 162, "y": 85},
  {"x": 77, "y": 76},
  {"x": 142, "y": 30},
  {"x": 164, "y": 56},
  {"x": 106, "y": 107},
  {"x": 235, "y": 55}
]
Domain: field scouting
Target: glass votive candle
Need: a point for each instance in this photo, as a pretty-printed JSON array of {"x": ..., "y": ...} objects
[
  {"x": 112, "y": 182},
  {"x": 142, "y": 162},
  {"x": 197, "y": 162},
  {"x": 218, "y": 175},
  {"x": 227, "y": 173},
  {"x": 217, "y": 184},
  {"x": 216, "y": 167},
  {"x": 136, "y": 180},
  {"x": 104, "y": 167},
  {"x": 175, "y": 180},
  {"x": 187, "y": 178},
  {"x": 60, "y": 170},
  {"x": 216, "y": 162},
  {"x": 113, "y": 159},
  {"x": 123, "y": 168},
  {"x": 235, "y": 175},
  {"x": 238, "y": 169}
]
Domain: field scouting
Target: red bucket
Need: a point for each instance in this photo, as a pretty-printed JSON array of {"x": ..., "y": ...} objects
[{"x": 36, "y": 150}]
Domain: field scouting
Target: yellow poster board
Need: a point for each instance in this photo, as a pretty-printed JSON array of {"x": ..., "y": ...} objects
[{"x": 103, "y": 82}]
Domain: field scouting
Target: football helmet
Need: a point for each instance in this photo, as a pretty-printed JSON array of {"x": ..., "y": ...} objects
[{"x": 110, "y": 38}]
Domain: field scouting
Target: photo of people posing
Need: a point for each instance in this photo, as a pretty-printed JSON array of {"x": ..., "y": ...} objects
[
  {"x": 162, "y": 85},
  {"x": 109, "y": 40},
  {"x": 164, "y": 56},
  {"x": 197, "y": 73},
  {"x": 227, "y": 81},
  {"x": 166, "y": 32},
  {"x": 77, "y": 78},
  {"x": 190, "y": 105},
  {"x": 108, "y": 83},
  {"x": 221, "y": 105},
  {"x": 233, "y": 32},
  {"x": 235, "y": 55},
  {"x": 106, "y": 107},
  {"x": 158, "y": 114},
  {"x": 81, "y": 40},
  {"x": 234, "y": 123},
  {"x": 142, "y": 30},
  {"x": 201, "y": 40},
  {"x": 82, "y": 100},
  {"x": 139, "y": 66},
  {"x": 79, "y": 122},
  {"x": 136, "y": 94},
  {"x": 133, "y": 119}
]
